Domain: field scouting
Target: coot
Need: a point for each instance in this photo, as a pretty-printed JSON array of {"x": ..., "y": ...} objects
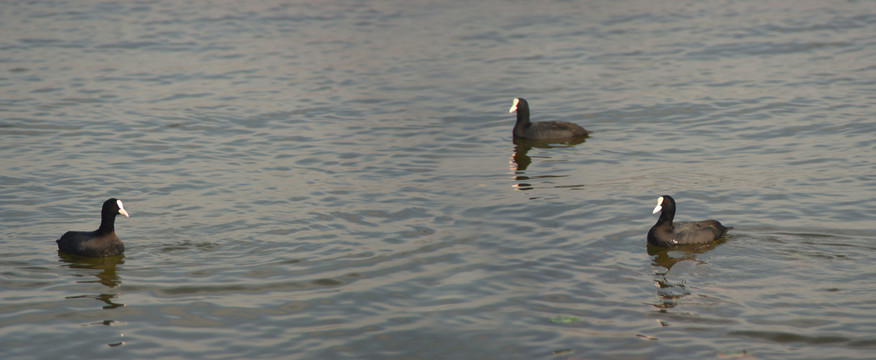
[
  {"x": 98, "y": 243},
  {"x": 668, "y": 233},
  {"x": 542, "y": 130}
]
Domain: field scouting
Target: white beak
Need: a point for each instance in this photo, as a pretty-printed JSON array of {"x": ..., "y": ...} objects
[
  {"x": 659, "y": 205},
  {"x": 122, "y": 208},
  {"x": 514, "y": 106}
]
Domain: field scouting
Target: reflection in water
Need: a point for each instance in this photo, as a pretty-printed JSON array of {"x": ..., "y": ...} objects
[
  {"x": 662, "y": 256},
  {"x": 522, "y": 147},
  {"x": 121, "y": 335},
  {"x": 668, "y": 292},
  {"x": 106, "y": 298},
  {"x": 520, "y": 159},
  {"x": 107, "y": 276}
]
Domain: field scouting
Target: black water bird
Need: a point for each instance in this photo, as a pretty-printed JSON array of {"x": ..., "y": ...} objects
[
  {"x": 668, "y": 233},
  {"x": 542, "y": 130},
  {"x": 102, "y": 242}
]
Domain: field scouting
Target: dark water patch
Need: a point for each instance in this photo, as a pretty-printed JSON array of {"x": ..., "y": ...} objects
[
  {"x": 300, "y": 285},
  {"x": 781, "y": 337}
]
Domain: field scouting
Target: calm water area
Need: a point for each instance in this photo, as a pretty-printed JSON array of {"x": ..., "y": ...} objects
[{"x": 337, "y": 179}]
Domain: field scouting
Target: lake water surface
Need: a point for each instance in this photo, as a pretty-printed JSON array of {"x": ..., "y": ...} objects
[{"x": 337, "y": 179}]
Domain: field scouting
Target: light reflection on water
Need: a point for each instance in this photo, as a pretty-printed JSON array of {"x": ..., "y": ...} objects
[{"x": 338, "y": 180}]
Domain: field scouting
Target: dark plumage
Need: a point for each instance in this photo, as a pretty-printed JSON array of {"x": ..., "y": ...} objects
[
  {"x": 98, "y": 243},
  {"x": 542, "y": 130},
  {"x": 668, "y": 233}
]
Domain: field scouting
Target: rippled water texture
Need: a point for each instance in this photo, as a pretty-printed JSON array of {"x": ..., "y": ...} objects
[{"x": 337, "y": 179}]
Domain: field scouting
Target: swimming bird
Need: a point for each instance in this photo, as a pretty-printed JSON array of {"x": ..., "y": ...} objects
[
  {"x": 102, "y": 242},
  {"x": 668, "y": 233},
  {"x": 542, "y": 130}
]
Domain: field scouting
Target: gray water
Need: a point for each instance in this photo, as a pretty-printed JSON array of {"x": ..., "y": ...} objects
[{"x": 337, "y": 179}]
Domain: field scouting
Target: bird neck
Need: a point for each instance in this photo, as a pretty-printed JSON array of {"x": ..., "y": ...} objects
[
  {"x": 522, "y": 119},
  {"x": 107, "y": 224},
  {"x": 666, "y": 215}
]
